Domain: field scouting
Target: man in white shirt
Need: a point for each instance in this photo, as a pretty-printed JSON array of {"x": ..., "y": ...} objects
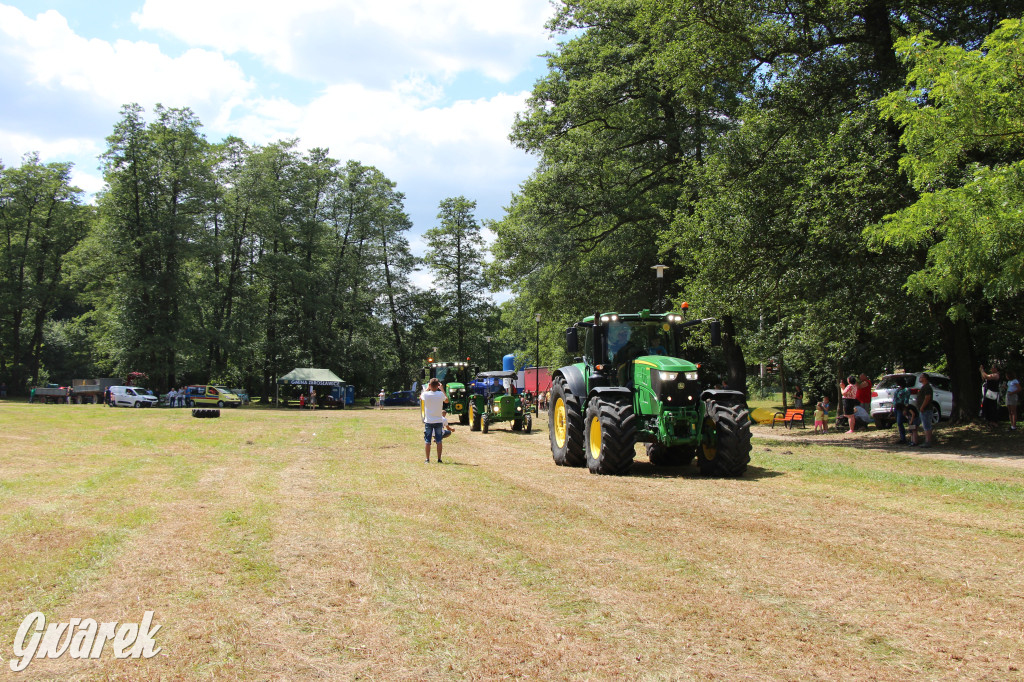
[{"x": 432, "y": 400}]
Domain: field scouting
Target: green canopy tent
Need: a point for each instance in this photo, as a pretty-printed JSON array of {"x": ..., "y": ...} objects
[{"x": 308, "y": 376}]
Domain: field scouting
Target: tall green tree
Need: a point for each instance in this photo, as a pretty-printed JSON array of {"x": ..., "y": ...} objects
[
  {"x": 455, "y": 255},
  {"x": 152, "y": 215},
  {"x": 41, "y": 220},
  {"x": 962, "y": 115}
]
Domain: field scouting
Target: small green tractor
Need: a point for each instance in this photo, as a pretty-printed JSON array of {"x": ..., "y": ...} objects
[
  {"x": 630, "y": 386},
  {"x": 489, "y": 405},
  {"x": 454, "y": 377}
]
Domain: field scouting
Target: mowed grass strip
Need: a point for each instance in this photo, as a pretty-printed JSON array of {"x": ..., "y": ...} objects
[{"x": 288, "y": 544}]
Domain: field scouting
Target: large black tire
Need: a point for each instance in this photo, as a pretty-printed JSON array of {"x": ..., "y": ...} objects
[
  {"x": 566, "y": 426},
  {"x": 731, "y": 454},
  {"x": 463, "y": 419},
  {"x": 529, "y": 424},
  {"x": 517, "y": 424},
  {"x": 610, "y": 436},
  {"x": 485, "y": 423},
  {"x": 205, "y": 413},
  {"x": 474, "y": 418},
  {"x": 662, "y": 456}
]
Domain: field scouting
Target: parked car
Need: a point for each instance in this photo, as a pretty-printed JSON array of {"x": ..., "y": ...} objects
[
  {"x": 882, "y": 395},
  {"x": 402, "y": 398},
  {"x": 212, "y": 396},
  {"x": 131, "y": 396},
  {"x": 242, "y": 394}
]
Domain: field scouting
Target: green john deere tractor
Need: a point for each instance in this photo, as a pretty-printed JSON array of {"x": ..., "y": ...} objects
[
  {"x": 630, "y": 386},
  {"x": 454, "y": 377},
  {"x": 492, "y": 404}
]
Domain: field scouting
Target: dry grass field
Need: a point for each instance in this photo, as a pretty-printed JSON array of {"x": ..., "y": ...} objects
[{"x": 276, "y": 544}]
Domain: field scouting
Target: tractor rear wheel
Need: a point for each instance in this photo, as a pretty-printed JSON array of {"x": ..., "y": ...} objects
[
  {"x": 728, "y": 452},
  {"x": 663, "y": 456},
  {"x": 474, "y": 418},
  {"x": 566, "y": 432},
  {"x": 610, "y": 436}
]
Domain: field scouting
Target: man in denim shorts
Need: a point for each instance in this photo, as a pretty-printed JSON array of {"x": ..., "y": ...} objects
[{"x": 432, "y": 400}]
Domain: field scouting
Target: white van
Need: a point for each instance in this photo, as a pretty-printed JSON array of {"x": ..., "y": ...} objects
[{"x": 131, "y": 396}]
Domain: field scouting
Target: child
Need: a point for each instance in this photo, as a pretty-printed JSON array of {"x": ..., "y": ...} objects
[
  {"x": 913, "y": 419},
  {"x": 819, "y": 418},
  {"x": 446, "y": 430}
]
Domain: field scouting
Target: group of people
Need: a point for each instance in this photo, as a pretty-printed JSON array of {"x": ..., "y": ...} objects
[
  {"x": 176, "y": 397},
  {"x": 990, "y": 395}
]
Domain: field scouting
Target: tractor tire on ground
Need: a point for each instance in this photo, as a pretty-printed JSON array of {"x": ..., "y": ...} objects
[
  {"x": 517, "y": 424},
  {"x": 730, "y": 455},
  {"x": 529, "y": 424},
  {"x": 610, "y": 435},
  {"x": 566, "y": 426},
  {"x": 474, "y": 418},
  {"x": 486, "y": 423},
  {"x": 205, "y": 413},
  {"x": 662, "y": 456},
  {"x": 463, "y": 419}
]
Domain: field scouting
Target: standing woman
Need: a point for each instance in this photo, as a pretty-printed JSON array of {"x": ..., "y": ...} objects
[
  {"x": 1012, "y": 397},
  {"x": 990, "y": 394},
  {"x": 850, "y": 401}
]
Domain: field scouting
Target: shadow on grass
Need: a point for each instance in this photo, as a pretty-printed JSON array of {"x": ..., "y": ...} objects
[{"x": 648, "y": 470}]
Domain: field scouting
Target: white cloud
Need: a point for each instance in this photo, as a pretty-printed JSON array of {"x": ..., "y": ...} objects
[
  {"x": 14, "y": 145},
  {"x": 386, "y": 39},
  {"x": 399, "y": 130},
  {"x": 53, "y": 56}
]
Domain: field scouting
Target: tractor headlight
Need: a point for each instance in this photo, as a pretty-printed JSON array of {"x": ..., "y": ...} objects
[
  {"x": 691, "y": 376},
  {"x": 497, "y": 409},
  {"x": 668, "y": 376},
  {"x": 519, "y": 409}
]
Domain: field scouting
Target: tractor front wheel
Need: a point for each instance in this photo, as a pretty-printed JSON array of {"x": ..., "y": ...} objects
[
  {"x": 610, "y": 436},
  {"x": 529, "y": 424},
  {"x": 474, "y": 418},
  {"x": 463, "y": 419},
  {"x": 486, "y": 423},
  {"x": 566, "y": 426},
  {"x": 663, "y": 456},
  {"x": 725, "y": 450}
]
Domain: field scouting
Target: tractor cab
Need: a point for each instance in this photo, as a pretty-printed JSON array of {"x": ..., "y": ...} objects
[
  {"x": 454, "y": 378},
  {"x": 495, "y": 400}
]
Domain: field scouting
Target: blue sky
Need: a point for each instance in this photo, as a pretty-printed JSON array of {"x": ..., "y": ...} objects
[{"x": 425, "y": 90}]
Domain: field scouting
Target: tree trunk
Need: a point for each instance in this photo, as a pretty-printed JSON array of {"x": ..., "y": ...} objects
[
  {"x": 736, "y": 366},
  {"x": 962, "y": 362}
]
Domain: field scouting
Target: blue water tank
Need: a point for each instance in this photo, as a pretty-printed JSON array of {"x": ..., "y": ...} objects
[{"x": 508, "y": 363}]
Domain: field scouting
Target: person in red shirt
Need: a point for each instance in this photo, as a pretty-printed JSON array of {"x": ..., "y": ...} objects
[{"x": 864, "y": 386}]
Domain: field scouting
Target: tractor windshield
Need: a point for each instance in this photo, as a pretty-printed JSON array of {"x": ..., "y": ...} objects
[{"x": 633, "y": 338}]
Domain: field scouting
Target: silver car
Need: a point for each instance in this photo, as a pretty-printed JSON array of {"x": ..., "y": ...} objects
[{"x": 883, "y": 392}]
